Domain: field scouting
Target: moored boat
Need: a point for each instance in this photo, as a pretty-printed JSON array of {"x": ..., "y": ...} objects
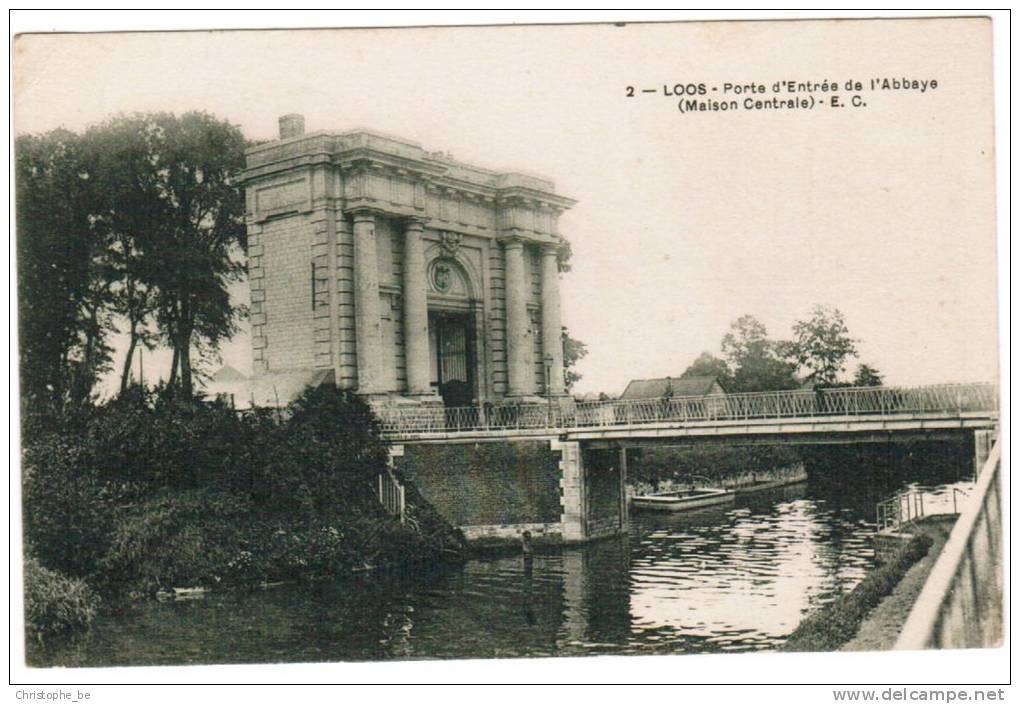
[{"x": 682, "y": 500}]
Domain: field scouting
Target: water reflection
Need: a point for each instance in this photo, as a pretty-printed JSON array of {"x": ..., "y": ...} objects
[
  {"x": 724, "y": 579},
  {"x": 741, "y": 578}
]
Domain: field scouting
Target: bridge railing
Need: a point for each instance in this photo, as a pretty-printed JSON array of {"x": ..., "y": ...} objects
[
  {"x": 950, "y": 399},
  {"x": 961, "y": 603}
]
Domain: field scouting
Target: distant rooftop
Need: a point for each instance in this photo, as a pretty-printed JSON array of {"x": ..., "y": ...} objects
[{"x": 670, "y": 386}]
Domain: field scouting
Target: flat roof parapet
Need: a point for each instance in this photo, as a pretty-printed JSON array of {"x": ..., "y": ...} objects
[{"x": 361, "y": 145}]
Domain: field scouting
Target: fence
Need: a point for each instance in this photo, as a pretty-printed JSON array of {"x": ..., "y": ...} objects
[
  {"x": 391, "y": 495},
  {"x": 960, "y": 605},
  {"x": 903, "y": 508},
  {"x": 953, "y": 399}
]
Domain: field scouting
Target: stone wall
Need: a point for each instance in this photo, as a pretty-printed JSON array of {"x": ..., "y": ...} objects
[
  {"x": 602, "y": 492},
  {"x": 494, "y": 490},
  {"x": 280, "y": 272},
  {"x": 506, "y": 483}
]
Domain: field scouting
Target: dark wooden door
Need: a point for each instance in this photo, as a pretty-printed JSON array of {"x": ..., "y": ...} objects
[{"x": 454, "y": 358}]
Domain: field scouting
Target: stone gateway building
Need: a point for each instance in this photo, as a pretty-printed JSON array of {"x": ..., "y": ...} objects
[{"x": 399, "y": 273}]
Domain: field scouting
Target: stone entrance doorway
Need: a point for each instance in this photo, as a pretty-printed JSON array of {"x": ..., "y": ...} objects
[{"x": 451, "y": 348}]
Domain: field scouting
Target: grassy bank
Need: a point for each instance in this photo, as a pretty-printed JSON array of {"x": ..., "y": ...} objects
[
  {"x": 145, "y": 493},
  {"x": 881, "y": 628},
  {"x": 836, "y": 624}
]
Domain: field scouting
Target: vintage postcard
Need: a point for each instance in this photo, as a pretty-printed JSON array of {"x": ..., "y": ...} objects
[{"x": 507, "y": 342}]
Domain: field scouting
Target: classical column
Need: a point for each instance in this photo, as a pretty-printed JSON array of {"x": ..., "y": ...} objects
[
  {"x": 416, "y": 312},
  {"x": 366, "y": 303},
  {"x": 552, "y": 344},
  {"x": 520, "y": 373}
]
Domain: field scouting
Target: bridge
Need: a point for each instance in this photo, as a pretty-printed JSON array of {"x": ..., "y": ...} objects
[
  {"x": 563, "y": 465},
  {"x": 850, "y": 414}
]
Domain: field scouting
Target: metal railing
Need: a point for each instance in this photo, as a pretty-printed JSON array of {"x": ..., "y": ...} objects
[
  {"x": 391, "y": 495},
  {"x": 952, "y": 399},
  {"x": 961, "y": 603},
  {"x": 902, "y": 508}
]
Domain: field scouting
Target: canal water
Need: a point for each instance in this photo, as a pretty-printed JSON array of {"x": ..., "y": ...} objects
[{"x": 731, "y": 578}]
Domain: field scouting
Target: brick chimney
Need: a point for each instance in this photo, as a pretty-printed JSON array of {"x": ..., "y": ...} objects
[{"x": 292, "y": 125}]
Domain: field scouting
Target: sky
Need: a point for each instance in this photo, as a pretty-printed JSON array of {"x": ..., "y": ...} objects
[{"x": 684, "y": 221}]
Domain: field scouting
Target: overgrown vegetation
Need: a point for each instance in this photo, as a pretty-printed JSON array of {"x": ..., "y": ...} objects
[
  {"x": 654, "y": 466},
  {"x": 837, "y": 624},
  {"x": 148, "y": 492},
  {"x": 54, "y": 603}
]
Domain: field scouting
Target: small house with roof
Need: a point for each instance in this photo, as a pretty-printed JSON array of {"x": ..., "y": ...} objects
[{"x": 672, "y": 387}]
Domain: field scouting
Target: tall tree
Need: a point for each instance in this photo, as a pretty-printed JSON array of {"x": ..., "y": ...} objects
[
  {"x": 61, "y": 306},
  {"x": 867, "y": 376},
  {"x": 708, "y": 364},
  {"x": 756, "y": 360},
  {"x": 172, "y": 203},
  {"x": 126, "y": 191},
  {"x": 134, "y": 299},
  {"x": 822, "y": 345},
  {"x": 573, "y": 352}
]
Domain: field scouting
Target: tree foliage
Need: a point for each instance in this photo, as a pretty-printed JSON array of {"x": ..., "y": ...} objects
[
  {"x": 170, "y": 202},
  {"x": 707, "y": 364},
  {"x": 564, "y": 255},
  {"x": 822, "y": 344},
  {"x": 62, "y": 298},
  {"x": 867, "y": 376},
  {"x": 135, "y": 225},
  {"x": 573, "y": 352},
  {"x": 757, "y": 361}
]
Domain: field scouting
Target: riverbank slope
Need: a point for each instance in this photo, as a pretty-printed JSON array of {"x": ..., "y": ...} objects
[
  {"x": 883, "y": 624},
  {"x": 147, "y": 494}
]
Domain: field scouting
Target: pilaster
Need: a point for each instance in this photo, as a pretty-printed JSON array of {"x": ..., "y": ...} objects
[
  {"x": 552, "y": 340},
  {"x": 368, "y": 328},
  {"x": 519, "y": 342},
  {"x": 416, "y": 319}
]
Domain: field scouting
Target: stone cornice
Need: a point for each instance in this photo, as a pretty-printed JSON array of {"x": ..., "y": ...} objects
[
  {"x": 513, "y": 236},
  {"x": 366, "y": 158},
  {"x": 363, "y": 150}
]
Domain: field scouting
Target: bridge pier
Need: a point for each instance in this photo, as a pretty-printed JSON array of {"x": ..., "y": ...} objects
[
  {"x": 983, "y": 442},
  {"x": 495, "y": 489},
  {"x": 572, "y": 490},
  {"x": 593, "y": 494}
]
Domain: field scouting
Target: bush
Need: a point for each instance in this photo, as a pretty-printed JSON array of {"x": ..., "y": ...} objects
[
  {"x": 69, "y": 512},
  {"x": 55, "y": 603},
  {"x": 333, "y": 440},
  {"x": 179, "y": 539},
  {"x": 837, "y": 624},
  {"x": 654, "y": 465},
  {"x": 145, "y": 438},
  {"x": 310, "y": 551},
  {"x": 145, "y": 493}
]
